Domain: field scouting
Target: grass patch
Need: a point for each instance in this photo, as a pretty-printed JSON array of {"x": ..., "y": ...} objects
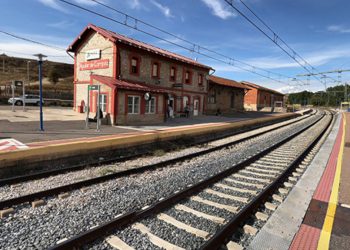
[
  {"x": 106, "y": 171},
  {"x": 159, "y": 152}
]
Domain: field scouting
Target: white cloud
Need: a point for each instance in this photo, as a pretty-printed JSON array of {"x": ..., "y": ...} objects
[
  {"x": 338, "y": 29},
  {"x": 52, "y": 4},
  {"x": 86, "y": 2},
  {"x": 316, "y": 58},
  {"x": 134, "y": 4},
  {"x": 55, "y": 5},
  {"x": 164, "y": 9},
  {"x": 218, "y": 8},
  {"x": 289, "y": 89},
  {"x": 26, "y": 50},
  {"x": 60, "y": 25}
]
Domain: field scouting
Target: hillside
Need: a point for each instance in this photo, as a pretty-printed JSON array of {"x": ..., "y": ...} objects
[{"x": 14, "y": 68}]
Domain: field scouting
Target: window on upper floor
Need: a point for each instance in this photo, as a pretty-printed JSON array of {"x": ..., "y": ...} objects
[
  {"x": 172, "y": 73},
  {"x": 135, "y": 65},
  {"x": 188, "y": 77},
  {"x": 200, "y": 79},
  {"x": 155, "y": 69}
]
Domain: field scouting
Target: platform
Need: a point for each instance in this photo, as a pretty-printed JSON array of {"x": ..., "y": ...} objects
[
  {"x": 316, "y": 212},
  {"x": 326, "y": 224}
]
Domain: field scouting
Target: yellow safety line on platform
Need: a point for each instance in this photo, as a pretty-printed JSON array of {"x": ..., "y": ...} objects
[{"x": 326, "y": 232}]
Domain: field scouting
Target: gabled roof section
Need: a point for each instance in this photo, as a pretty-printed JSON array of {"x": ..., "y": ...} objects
[
  {"x": 118, "y": 38},
  {"x": 227, "y": 82},
  {"x": 256, "y": 86},
  {"x": 122, "y": 84}
]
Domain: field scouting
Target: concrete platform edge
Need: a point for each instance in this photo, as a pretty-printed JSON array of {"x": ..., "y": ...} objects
[
  {"x": 279, "y": 231},
  {"x": 56, "y": 151}
]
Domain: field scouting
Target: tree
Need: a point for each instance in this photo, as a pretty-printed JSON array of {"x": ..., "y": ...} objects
[{"x": 54, "y": 75}]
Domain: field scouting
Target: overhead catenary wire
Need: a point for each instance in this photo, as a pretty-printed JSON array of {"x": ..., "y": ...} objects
[
  {"x": 275, "y": 38},
  {"x": 194, "y": 45},
  {"x": 190, "y": 49},
  {"x": 31, "y": 41}
]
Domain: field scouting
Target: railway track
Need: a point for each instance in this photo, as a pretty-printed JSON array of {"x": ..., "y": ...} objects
[
  {"x": 206, "y": 214},
  {"x": 64, "y": 189}
]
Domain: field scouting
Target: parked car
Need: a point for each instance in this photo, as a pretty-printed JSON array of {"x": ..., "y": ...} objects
[{"x": 28, "y": 99}]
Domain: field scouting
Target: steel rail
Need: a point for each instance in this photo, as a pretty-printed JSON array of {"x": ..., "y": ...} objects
[
  {"x": 133, "y": 216},
  {"x": 84, "y": 183},
  {"x": 47, "y": 173},
  {"x": 219, "y": 238}
]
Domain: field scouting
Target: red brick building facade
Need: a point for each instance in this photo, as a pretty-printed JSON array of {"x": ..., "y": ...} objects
[
  {"x": 261, "y": 98},
  {"x": 126, "y": 69}
]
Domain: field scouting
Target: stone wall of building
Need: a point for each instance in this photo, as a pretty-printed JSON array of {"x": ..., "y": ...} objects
[
  {"x": 95, "y": 41},
  {"x": 123, "y": 118},
  {"x": 223, "y": 99},
  {"x": 145, "y": 75}
]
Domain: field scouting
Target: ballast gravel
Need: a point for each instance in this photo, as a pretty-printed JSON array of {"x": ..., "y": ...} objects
[
  {"x": 66, "y": 218},
  {"x": 8, "y": 192}
]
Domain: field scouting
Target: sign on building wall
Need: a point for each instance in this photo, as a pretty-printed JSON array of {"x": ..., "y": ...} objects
[
  {"x": 93, "y": 54},
  {"x": 98, "y": 64}
]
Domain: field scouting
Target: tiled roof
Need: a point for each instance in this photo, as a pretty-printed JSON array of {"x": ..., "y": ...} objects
[
  {"x": 227, "y": 82},
  {"x": 122, "y": 84},
  {"x": 115, "y": 37},
  {"x": 256, "y": 86}
]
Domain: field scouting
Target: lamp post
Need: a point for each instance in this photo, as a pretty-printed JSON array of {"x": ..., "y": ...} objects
[
  {"x": 28, "y": 62},
  {"x": 40, "y": 61}
]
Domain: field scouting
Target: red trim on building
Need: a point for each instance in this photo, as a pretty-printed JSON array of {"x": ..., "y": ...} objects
[
  {"x": 190, "y": 76},
  {"x": 82, "y": 82},
  {"x": 75, "y": 67},
  {"x": 114, "y": 37},
  {"x": 74, "y": 97}
]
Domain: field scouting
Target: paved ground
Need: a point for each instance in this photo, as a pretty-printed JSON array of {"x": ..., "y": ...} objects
[{"x": 64, "y": 123}]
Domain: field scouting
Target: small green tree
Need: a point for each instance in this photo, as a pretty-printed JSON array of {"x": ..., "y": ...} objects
[{"x": 54, "y": 76}]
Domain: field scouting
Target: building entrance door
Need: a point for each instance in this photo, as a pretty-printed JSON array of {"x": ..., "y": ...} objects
[
  {"x": 171, "y": 106},
  {"x": 195, "y": 107}
]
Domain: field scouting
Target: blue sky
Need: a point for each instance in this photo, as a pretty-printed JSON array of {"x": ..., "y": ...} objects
[{"x": 319, "y": 30}]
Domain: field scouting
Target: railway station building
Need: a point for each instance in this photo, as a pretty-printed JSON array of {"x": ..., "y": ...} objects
[
  {"x": 259, "y": 98},
  {"x": 139, "y": 83},
  {"x": 225, "y": 96}
]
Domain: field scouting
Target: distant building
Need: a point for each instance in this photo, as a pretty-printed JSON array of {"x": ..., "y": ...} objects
[
  {"x": 127, "y": 69},
  {"x": 259, "y": 98},
  {"x": 225, "y": 96}
]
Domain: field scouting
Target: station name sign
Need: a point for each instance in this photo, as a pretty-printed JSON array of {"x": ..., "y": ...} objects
[
  {"x": 92, "y": 54},
  {"x": 96, "y": 64}
]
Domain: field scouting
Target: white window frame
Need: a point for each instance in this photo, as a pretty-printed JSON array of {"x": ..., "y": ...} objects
[
  {"x": 149, "y": 106},
  {"x": 103, "y": 104},
  {"x": 133, "y": 104}
]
